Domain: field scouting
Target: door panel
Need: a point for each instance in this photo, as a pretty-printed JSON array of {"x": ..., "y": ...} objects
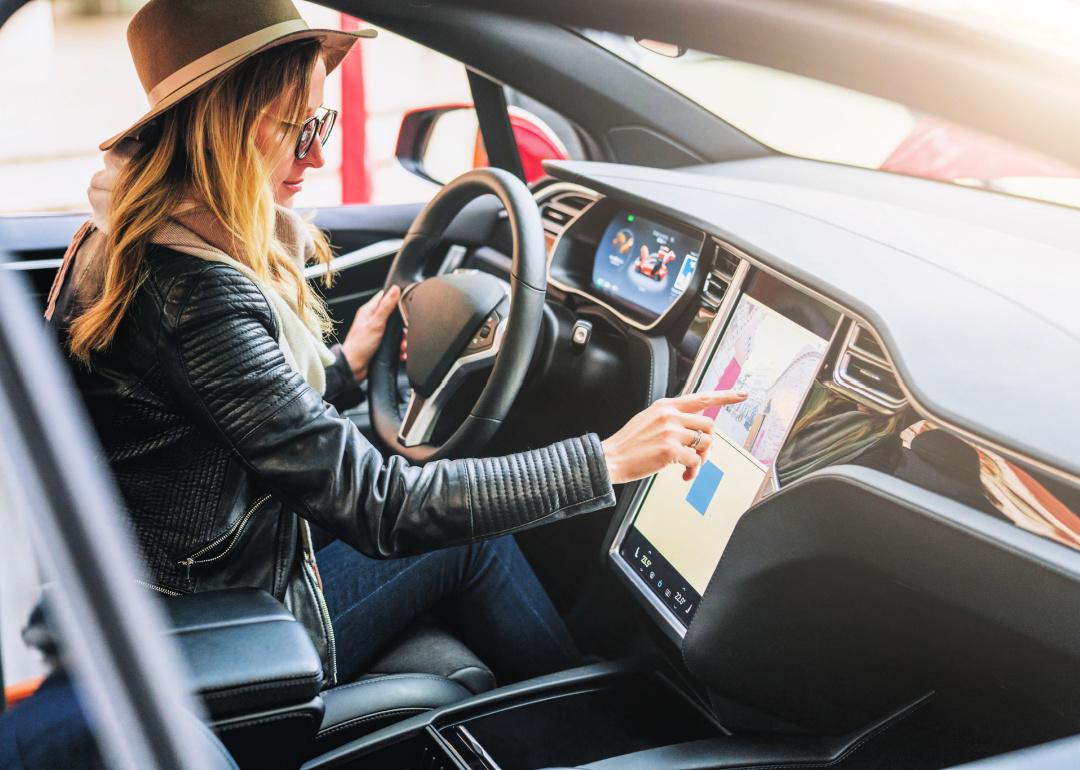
[{"x": 36, "y": 244}]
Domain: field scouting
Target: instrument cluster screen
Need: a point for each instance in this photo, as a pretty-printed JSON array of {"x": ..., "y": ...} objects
[{"x": 643, "y": 263}]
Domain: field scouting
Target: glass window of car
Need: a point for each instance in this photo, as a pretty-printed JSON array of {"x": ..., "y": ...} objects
[
  {"x": 809, "y": 118},
  {"x": 46, "y": 160},
  {"x": 74, "y": 106}
]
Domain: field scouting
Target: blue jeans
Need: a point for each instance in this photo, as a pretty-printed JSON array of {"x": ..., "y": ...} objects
[{"x": 486, "y": 592}]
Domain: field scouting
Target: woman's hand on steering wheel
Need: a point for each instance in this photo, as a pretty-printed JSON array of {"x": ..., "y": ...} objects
[
  {"x": 365, "y": 333},
  {"x": 459, "y": 323},
  {"x": 671, "y": 430}
]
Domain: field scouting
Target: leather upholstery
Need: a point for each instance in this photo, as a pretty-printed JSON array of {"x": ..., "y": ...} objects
[
  {"x": 245, "y": 652},
  {"x": 356, "y": 709},
  {"x": 260, "y": 678},
  {"x": 217, "y": 446},
  {"x": 430, "y": 649}
]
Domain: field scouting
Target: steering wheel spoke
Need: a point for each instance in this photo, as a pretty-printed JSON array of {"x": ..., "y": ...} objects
[
  {"x": 458, "y": 323},
  {"x": 422, "y": 414}
]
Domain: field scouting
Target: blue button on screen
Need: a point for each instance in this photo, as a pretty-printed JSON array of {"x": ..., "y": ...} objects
[{"x": 704, "y": 487}]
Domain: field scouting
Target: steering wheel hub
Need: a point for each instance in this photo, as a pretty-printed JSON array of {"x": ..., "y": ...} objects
[{"x": 444, "y": 315}]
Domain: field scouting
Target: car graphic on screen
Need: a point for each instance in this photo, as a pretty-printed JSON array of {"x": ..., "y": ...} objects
[{"x": 655, "y": 264}]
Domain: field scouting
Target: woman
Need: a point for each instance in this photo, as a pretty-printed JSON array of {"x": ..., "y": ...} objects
[{"x": 199, "y": 350}]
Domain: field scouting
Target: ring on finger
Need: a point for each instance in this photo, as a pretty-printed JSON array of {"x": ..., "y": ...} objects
[{"x": 697, "y": 439}]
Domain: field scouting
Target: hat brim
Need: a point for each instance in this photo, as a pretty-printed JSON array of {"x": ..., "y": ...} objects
[{"x": 335, "y": 45}]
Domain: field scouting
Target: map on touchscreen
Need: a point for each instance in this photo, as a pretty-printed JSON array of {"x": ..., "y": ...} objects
[{"x": 774, "y": 360}]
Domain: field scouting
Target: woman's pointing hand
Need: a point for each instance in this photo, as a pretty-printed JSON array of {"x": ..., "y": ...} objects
[{"x": 671, "y": 430}]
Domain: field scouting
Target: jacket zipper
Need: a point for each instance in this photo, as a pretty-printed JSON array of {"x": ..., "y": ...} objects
[
  {"x": 320, "y": 598},
  {"x": 159, "y": 589},
  {"x": 234, "y": 532}
]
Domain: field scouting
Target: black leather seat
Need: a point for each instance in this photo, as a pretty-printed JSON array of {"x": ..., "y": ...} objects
[
  {"x": 428, "y": 667},
  {"x": 429, "y": 648},
  {"x": 259, "y": 674}
]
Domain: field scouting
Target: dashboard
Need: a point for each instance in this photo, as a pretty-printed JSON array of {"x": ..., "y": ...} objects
[
  {"x": 824, "y": 388},
  {"x": 757, "y": 332}
]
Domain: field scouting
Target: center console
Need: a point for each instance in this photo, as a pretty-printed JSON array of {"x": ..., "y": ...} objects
[
  {"x": 612, "y": 716},
  {"x": 563, "y": 720}
]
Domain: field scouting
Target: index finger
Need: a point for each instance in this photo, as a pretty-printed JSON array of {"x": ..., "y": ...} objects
[{"x": 695, "y": 402}]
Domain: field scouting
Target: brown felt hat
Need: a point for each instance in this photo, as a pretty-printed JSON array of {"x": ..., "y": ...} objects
[{"x": 180, "y": 45}]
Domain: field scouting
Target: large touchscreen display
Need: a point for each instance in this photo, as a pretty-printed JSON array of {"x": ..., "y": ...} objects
[
  {"x": 644, "y": 263},
  {"x": 771, "y": 351}
]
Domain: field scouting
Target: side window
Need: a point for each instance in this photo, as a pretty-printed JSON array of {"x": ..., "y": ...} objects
[
  {"x": 440, "y": 142},
  {"x": 83, "y": 88},
  {"x": 67, "y": 108},
  {"x": 381, "y": 81}
]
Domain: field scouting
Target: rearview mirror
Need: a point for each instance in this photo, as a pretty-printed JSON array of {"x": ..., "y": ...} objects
[{"x": 671, "y": 50}]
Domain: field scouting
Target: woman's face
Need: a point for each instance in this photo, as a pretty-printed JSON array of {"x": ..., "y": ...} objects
[{"x": 288, "y": 174}]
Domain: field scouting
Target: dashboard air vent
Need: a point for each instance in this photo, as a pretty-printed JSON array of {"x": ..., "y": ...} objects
[
  {"x": 865, "y": 372},
  {"x": 720, "y": 276},
  {"x": 560, "y": 204},
  {"x": 725, "y": 263},
  {"x": 558, "y": 210}
]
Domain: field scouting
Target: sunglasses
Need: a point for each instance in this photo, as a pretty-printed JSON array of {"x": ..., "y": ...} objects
[{"x": 318, "y": 125}]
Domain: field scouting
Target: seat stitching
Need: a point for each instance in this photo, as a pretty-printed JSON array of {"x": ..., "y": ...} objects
[
  {"x": 370, "y": 717},
  {"x": 266, "y": 685},
  {"x": 384, "y": 677},
  {"x": 263, "y": 721}
]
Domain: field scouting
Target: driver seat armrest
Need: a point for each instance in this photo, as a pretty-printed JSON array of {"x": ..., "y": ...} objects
[
  {"x": 245, "y": 652},
  {"x": 356, "y": 709},
  {"x": 255, "y": 669}
]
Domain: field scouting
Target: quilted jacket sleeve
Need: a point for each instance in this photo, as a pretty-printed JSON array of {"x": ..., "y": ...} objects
[
  {"x": 342, "y": 389},
  {"x": 219, "y": 349}
]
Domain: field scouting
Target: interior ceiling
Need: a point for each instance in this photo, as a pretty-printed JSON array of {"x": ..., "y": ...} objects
[
  {"x": 995, "y": 84},
  {"x": 991, "y": 83}
]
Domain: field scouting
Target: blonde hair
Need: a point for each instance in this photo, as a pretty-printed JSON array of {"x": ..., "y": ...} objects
[{"x": 207, "y": 148}]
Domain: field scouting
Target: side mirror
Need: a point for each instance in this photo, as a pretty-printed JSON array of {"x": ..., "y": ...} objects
[
  {"x": 443, "y": 142},
  {"x": 439, "y": 143}
]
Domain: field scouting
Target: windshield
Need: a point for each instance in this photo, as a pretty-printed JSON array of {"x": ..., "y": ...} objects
[{"x": 809, "y": 118}]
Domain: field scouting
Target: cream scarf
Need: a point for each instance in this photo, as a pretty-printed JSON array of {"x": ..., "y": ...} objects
[
  {"x": 300, "y": 341},
  {"x": 193, "y": 230}
]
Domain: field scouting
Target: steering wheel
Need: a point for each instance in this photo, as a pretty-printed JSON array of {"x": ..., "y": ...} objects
[{"x": 459, "y": 323}]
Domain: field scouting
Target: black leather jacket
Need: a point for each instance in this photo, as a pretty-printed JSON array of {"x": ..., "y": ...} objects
[{"x": 222, "y": 451}]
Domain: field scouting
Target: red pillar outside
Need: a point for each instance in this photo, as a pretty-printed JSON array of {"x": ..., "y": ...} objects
[{"x": 355, "y": 168}]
